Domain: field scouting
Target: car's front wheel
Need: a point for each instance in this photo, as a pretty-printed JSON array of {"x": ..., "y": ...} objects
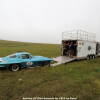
[
  {"x": 46, "y": 63},
  {"x": 14, "y": 67}
]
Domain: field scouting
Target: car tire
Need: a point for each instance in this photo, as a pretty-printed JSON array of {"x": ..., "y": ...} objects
[
  {"x": 15, "y": 67},
  {"x": 46, "y": 63}
]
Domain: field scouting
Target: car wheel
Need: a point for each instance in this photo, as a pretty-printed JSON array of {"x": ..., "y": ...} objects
[
  {"x": 88, "y": 57},
  {"x": 14, "y": 67},
  {"x": 46, "y": 63}
]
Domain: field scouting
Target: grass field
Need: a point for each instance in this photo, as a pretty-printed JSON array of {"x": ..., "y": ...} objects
[{"x": 78, "y": 79}]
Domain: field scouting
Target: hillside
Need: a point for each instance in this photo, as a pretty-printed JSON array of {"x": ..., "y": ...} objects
[{"x": 10, "y": 47}]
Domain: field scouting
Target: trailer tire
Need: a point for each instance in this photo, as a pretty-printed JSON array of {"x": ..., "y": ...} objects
[
  {"x": 91, "y": 56},
  {"x": 88, "y": 57}
]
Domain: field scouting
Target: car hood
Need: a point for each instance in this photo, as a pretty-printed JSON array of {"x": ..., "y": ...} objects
[
  {"x": 41, "y": 57},
  {"x": 38, "y": 57},
  {"x": 5, "y": 58}
]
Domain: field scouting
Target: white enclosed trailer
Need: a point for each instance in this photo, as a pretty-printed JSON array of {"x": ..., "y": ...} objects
[
  {"x": 86, "y": 44},
  {"x": 86, "y": 48}
]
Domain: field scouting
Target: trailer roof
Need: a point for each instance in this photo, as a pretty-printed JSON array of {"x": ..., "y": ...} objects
[
  {"x": 79, "y": 40},
  {"x": 78, "y": 35}
]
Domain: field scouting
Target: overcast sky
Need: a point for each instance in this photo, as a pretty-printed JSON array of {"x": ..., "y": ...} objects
[{"x": 43, "y": 21}]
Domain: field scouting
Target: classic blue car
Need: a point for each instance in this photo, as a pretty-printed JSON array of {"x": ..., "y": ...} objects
[{"x": 23, "y": 59}]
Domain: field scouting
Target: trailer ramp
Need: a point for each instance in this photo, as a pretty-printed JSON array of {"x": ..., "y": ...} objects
[{"x": 62, "y": 60}]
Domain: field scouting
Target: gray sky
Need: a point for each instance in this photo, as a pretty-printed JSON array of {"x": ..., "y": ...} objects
[{"x": 43, "y": 21}]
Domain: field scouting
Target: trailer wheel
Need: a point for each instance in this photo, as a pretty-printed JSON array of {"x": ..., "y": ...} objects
[
  {"x": 88, "y": 57},
  {"x": 91, "y": 56}
]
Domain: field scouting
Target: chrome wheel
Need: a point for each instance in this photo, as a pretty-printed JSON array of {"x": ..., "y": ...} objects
[{"x": 14, "y": 67}]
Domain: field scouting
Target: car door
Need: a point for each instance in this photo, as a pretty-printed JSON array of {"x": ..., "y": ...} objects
[{"x": 27, "y": 60}]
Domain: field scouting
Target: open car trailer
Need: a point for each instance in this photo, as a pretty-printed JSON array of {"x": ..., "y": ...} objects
[{"x": 86, "y": 47}]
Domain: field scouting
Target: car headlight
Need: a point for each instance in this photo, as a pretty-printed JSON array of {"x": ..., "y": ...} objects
[{"x": 1, "y": 60}]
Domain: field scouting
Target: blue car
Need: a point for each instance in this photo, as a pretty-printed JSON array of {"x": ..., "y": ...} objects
[{"x": 23, "y": 59}]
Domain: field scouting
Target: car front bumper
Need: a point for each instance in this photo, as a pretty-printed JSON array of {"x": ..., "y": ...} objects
[{"x": 2, "y": 66}]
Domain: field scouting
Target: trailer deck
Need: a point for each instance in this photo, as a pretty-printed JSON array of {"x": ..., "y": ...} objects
[{"x": 62, "y": 60}]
